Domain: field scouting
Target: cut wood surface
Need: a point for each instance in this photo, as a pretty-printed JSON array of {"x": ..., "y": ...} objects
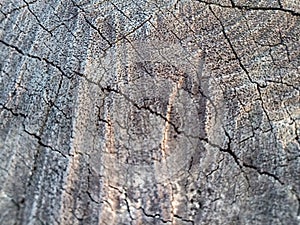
[{"x": 149, "y": 112}]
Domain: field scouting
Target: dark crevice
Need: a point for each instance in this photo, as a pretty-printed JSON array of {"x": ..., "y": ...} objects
[
  {"x": 17, "y": 114},
  {"x": 140, "y": 107},
  {"x": 53, "y": 64},
  {"x": 17, "y": 8},
  {"x": 92, "y": 199},
  {"x": 229, "y": 150},
  {"x": 252, "y": 8},
  {"x": 184, "y": 220},
  {"x": 98, "y": 31},
  {"x": 258, "y": 86},
  {"x": 37, "y": 18},
  {"x": 156, "y": 216},
  {"x": 40, "y": 142},
  {"x": 128, "y": 208},
  {"x": 263, "y": 172},
  {"x": 214, "y": 170}
]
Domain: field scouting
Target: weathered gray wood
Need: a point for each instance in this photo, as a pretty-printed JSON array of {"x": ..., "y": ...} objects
[{"x": 149, "y": 112}]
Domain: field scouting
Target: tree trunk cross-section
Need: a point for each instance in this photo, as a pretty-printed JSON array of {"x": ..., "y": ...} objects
[{"x": 149, "y": 112}]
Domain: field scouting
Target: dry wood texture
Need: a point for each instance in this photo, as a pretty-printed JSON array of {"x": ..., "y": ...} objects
[{"x": 149, "y": 112}]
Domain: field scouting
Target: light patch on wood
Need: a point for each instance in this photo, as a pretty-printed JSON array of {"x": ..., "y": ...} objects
[{"x": 166, "y": 131}]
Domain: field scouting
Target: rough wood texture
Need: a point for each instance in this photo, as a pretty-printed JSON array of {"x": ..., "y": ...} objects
[{"x": 149, "y": 112}]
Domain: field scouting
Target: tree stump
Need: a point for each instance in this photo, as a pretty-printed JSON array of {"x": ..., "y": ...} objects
[{"x": 149, "y": 112}]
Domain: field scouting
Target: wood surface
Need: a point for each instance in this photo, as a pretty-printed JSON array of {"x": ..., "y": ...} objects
[{"x": 149, "y": 112}]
